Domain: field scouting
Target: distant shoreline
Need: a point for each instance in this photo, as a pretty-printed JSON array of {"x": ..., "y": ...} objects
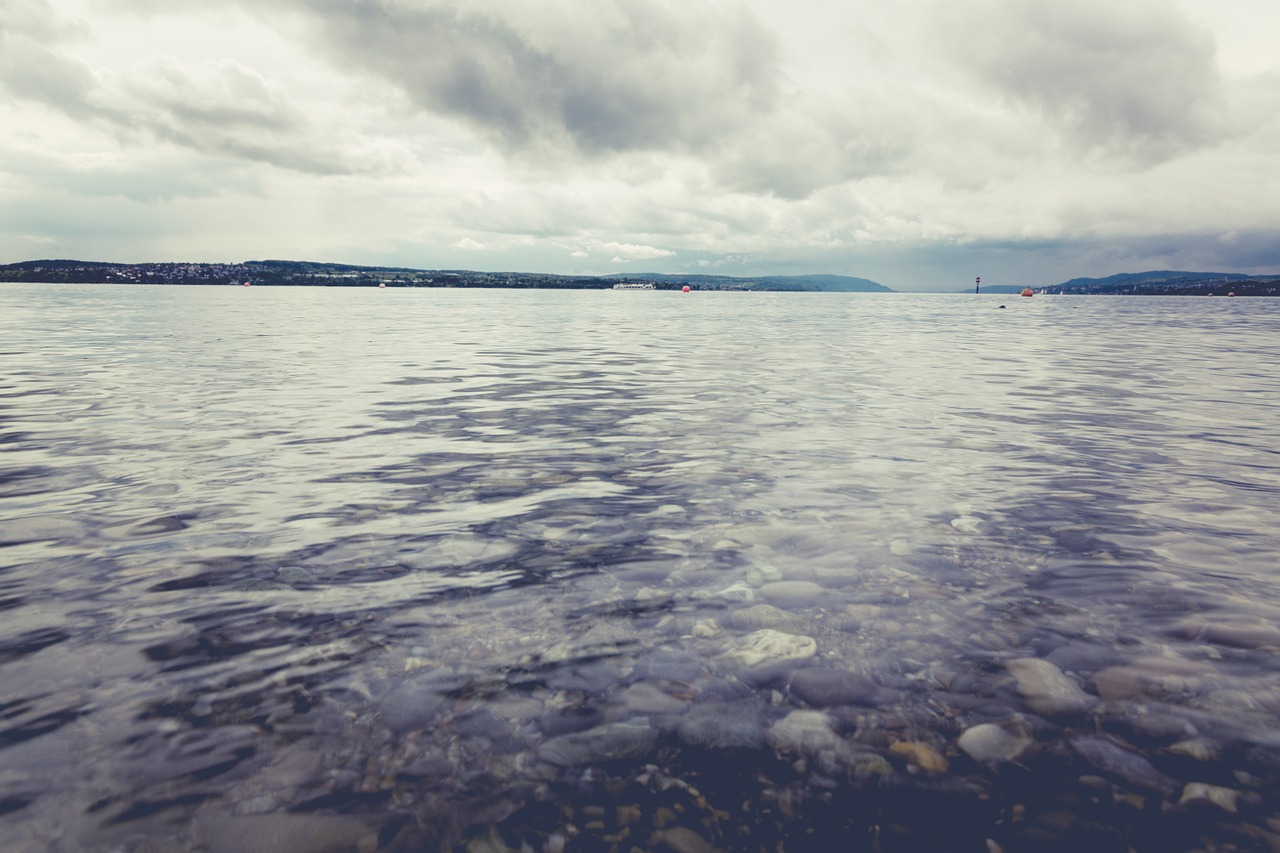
[{"x": 273, "y": 273}]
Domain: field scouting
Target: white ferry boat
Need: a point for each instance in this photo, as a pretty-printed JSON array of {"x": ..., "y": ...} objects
[{"x": 633, "y": 285}]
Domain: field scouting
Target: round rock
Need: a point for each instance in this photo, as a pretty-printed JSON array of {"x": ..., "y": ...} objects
[
  {"x": 1046, "y": 689},
  {"x": 988, "y": 743},
  {"x": 822, "y": 687},
  {"x": 766, "y": 616},
  {"x": 729, "y": 726},
  {"x": 769, "y": 646},
  {"x": 415, "y": 703},
  {"x": 612, "y": 742},
  {"x": 804, "y": 731},
  {"x": 792, "y": 593}
]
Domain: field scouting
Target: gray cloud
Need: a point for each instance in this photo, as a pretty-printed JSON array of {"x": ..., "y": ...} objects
[
  {"x": 32, "y": 68},
  {"x": 813, "y": 142},
  {"x": 612, "y": 75},
  {"x": 230, "y": 110},
  {"x": 1133, "y": 78}
]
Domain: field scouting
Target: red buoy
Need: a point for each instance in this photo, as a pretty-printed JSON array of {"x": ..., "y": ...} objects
[
  {"x": 1026, "y": 291},
  {"x": 684, "y": 289}
]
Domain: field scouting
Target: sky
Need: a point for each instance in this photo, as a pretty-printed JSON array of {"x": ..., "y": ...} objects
[{"x": 918, "y": 143}]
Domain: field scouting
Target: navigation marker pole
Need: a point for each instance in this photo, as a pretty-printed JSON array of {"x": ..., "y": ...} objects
[{"x": 977, "y": 284}]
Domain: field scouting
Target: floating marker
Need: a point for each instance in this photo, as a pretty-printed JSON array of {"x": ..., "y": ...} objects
[
  {"x": 1026, "y": 291},
  {"x": 246, "y": 284},
  {"x": 380, "y": 284},
  {"x": 1232, "y": 293},
  {"x": 684, "y": 289}
]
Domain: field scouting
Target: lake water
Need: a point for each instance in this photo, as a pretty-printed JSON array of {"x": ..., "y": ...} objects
[{"x": 352, "y": 569}]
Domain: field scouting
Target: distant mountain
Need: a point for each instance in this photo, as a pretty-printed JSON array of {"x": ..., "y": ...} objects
[
  {"x": 822, "y": 283},
  {"x": 313, "y": 273},
  {"x": 1170, "y": 282}
]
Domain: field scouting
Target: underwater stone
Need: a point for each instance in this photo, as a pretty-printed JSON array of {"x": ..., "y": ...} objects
[
  {"x": 991, "y": 744},
  {"x": 734, "y": 725},
  {"x": 769, "y": 646},
  {"x": 415, "y": 703},
  {"x": 766, "y": 616},
  {"x": 823, "y": 687},
  {"x": 284, "y": 833},
  {"x": 612, "y": 742},
  {"x": 922, "y": 755},
  {"x": 1046, "y": 690},
  {"x": 1112, "y": 760},
  {"x": 1151, "y": 677},
  {"x": 648, "y": 698},
  {"x": 792, "y": 593},
  {"x": 804, "y": 731},
  {"x": 1236, "y": 635},
  {"x": 1195, "y": 793},
  {"x": 681, "y": 839},
  {"x": 295, "y": 574}
]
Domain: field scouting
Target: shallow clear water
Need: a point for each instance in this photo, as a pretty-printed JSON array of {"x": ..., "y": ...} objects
[{"x": 318, "y": 569}]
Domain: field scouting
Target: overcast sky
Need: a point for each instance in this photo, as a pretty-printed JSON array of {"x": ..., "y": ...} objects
[{"x": 919, "y": 143}]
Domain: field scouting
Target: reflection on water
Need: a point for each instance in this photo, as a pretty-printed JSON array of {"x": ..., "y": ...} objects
[{"x": 313, "y": 570}]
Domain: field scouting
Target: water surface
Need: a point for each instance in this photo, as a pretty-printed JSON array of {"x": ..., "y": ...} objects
[{"x": 324, "y": 569}]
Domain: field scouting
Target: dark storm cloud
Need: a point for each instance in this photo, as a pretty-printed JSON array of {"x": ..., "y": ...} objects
[
  {"x": 608, "y": 76},
  {"x": 1132, "y": 77}
]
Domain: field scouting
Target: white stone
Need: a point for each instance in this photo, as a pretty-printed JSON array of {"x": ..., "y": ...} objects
[
  {"x": 988, "y": 743},
  {"x": 1201, "y": 792},
  {"x": 1046, "y": 689},
  {"x": 769, "y": 646},
  {"x": 806, "y": 731}
]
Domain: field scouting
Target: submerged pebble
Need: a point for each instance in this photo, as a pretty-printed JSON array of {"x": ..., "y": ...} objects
[
  {"x": 824, "y": 687},
  {"x": 1046, "y": 689},
  {"x": 803, "y": 731},
  {"x": 285, "y": 833},
  {"x": 993, "y": 744},
  {"x": 921, "y": 755},
  {"x": 1194, "y": 793},
  {"x": 611, "y": 742},
  {"x": 761, "y": 616},
  {"x": 728, "y": 726},
  {"x": 1110, "y": 759},
  {"x": 792, "y": 593},
  {"x": 415, "y": 703},
  {"x": 769, "y": 646}
]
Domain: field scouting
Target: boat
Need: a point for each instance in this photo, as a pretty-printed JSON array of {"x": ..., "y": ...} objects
[{"x": 633, "y": 285}]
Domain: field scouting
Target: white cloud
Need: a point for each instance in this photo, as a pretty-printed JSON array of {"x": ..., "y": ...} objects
[{"x": 896, "y": 141}]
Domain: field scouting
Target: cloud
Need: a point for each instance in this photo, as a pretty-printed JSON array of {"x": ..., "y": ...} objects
[
  {"x": 33, "y": 67},
  {"x": 601, "y": 75},
  {"x": 227, "y": 109},
  {"x": 622, "y": 252},
  {"x": 1133, "y": 78},
  {"x": 221, "y": 107},
  {"x": 815, "y": 142}
]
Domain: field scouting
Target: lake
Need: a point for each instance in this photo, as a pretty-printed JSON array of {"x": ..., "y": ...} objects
[{"x": 341, "y": 569}]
